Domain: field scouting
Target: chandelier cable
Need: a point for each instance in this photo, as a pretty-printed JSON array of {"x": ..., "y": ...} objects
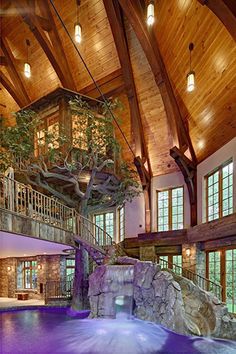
[{"x": 91, "y": 76}]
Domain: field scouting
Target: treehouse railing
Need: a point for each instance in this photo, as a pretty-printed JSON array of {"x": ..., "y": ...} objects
[
  {"x": 24, "y": 200},
  {"x": 202, "y": 282}
]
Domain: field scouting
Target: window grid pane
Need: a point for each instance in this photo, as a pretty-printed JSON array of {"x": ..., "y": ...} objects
[
  {"x": 163, "y": 211},
  {"x": 220, "y": 192},
  {"x": 214, "y": 267},
  {"x": 177, "y": 208},
  {"x": 231, "y": 280}
]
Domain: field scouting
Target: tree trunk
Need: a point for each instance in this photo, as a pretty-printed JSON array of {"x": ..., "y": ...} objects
[{"x": 80, "y": 287}]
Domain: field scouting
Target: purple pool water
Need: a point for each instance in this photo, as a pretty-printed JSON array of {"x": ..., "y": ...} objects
[{"x": 45, "y": 331}]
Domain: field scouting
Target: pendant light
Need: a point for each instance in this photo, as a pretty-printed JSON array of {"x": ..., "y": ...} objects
[
  {"x": 191, "y": 74},
  {"x": 78, "y": 28},
  {"x": 150, "y": 13},
  {"x": 27, "y": 67}
]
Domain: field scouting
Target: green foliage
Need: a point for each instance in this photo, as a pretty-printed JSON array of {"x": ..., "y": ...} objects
[{"x": 90, "y": 145}]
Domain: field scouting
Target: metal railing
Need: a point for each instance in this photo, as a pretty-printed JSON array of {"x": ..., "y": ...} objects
[
  {"x": 24, "y": 200},
  {"x": 202, "y": 282},
  {"x": 58, "y": 290}
]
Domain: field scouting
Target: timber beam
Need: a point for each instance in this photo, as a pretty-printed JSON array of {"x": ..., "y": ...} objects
[
  {"x": 53, "y": 48},
  {"x": 134, "y": 13},
  {"x": 11, "y": 90},
  {"x": 225, "y": 10},
  {"x": 17, "y": 89},
  {"x": 189, "y": 172},
  {"x": 114, "y": 15}
]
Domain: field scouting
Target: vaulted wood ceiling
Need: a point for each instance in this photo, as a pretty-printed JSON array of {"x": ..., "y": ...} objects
[{"x": 199, "y": 122}]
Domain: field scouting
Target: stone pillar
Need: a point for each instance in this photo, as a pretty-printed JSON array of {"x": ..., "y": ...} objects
[
  {"x": 80, "y": 299},
  {"x": 194, "y": 258},
  {"x": 147, "y": 253}
]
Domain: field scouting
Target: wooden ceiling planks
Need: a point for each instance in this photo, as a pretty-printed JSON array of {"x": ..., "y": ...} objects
[
  {"x": 154, "y": 120},
  {"x": 210, "y": 108}
]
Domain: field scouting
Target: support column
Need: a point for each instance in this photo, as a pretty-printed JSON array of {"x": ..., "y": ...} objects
[
  {"x": 147, "y": 253},
  {"x": 80, "y": 290},
  {"x": 193, "y": 258}
]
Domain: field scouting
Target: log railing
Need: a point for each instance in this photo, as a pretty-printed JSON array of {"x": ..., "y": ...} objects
[
  {"x": 202, "y": 282},
  {"x": 23, "y": 200}
]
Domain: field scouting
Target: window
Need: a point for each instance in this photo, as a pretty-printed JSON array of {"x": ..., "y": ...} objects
[
  {"x": 221, "y": 268},
  {"x": 27, "y": 275},
  {"x": 70, "y": 268},
  {"x": 230, "y": 256},
  {"x": 53, "y": 132},
  {"x": 174, "y": 262},
  {"x": 106, "y": 222},
  {"x": 170, "y": 209},
  {"x": 214, "y": 266},
  {"x": 79, "y": 132},
  {"x": 219, "y": 192},
  {"x": 121, "y": 212}
]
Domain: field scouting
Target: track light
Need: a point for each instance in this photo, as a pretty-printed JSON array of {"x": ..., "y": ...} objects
[{"x": 150, "y": 13}]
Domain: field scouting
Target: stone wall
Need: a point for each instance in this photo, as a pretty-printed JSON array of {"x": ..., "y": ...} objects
[
  {"x": 161, "y": 297},
  {"x": 51, "y": 267},
  {"x": 23, "y": 225}
]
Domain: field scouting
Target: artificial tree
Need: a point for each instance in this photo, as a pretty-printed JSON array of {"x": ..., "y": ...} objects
[{"x": 76, "y": 167}]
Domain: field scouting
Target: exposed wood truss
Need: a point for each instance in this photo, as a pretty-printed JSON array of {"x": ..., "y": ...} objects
[
  {"x": 53, "y": 47},
  {"x": 114, "y": 14},
  {"x": 134, "y": 13},
  {"x": 16, "y": 90},
  {"x": 110, "y": 85},
  {"x": 189, "y": 171},
  {"x": 225, "y": 10},
  {"x": 11, "y": 89}
]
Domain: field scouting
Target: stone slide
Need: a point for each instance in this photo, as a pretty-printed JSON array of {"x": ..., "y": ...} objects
[{"x": 161, "y": 297}]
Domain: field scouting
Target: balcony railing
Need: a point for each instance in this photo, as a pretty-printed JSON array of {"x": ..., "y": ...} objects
[
  {"x": 23, "y": 200},
  {"x": 202, "y": 282}
]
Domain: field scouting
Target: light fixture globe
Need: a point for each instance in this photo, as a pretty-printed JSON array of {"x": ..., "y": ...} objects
[
  {"x": 191, "y": 81},
  {"x": 150, "y": 14},
  {"x": 27, "y": 70},
  {"x": 78, "y": 33}
]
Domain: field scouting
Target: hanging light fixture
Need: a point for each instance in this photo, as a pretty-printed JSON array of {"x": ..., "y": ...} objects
[
  {"x": 150, "y": 13},
  {"x": 191, "y": 74},
  {"x": 78, "y": 28},
  {"x": 27, "y": 67}
]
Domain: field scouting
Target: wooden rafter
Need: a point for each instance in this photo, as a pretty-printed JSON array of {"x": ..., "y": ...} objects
[
  {"x": 189, "y": 171},
  {"x": 56, "y": 41},
  {"x": 54, "y": 51},
  {"x": 11, "y": 89},
  {"x": 134, "y": 13},
  {"x": 116, "y": 22},
  {"x": 110, "y": 85},
  {"x": 11, "y": 67},
  {"x": 225, "y": 10}
]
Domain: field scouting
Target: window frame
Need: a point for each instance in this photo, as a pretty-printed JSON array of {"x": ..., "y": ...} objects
[
  {"x": 31, "y": 268},
  {"x": 223, "y": 272},
  {"x": 121, "y": 235},
  {"x": 220, "y": 190},
  {"x": 170, "y": 206}
]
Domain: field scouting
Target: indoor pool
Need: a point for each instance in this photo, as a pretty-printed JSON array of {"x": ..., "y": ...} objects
[{"x": 52, "y": 331}]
